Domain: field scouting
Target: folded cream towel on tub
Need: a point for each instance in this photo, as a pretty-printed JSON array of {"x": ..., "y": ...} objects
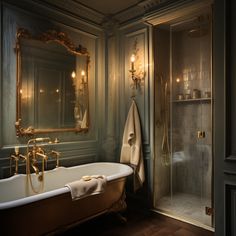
[{"x": 87, "y": 185}]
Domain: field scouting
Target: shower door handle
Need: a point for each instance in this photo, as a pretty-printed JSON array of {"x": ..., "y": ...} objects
[{"x": 201, "y": 134}]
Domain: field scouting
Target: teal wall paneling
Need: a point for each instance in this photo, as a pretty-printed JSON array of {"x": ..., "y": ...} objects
[
  {"x": 142, "y": 34},
  {"x": 75, "y": 148}
]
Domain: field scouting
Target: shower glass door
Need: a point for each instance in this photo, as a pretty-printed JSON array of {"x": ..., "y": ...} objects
[{"x": 188, "y": 192}]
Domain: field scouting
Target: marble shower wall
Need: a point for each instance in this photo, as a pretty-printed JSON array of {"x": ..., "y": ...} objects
[
  {"x": 192, "y": 157},
  {"x": 188, "y": 57}
]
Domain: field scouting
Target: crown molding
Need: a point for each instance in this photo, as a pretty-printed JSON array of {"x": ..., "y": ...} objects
[
  {"x": 150, "y": 4},
  {"x": 77, "y": 9},
  {"x": 148, "y": 11},
  {"x": 136, "y": 12},
  {"x": 176, "y": 9},
  {"x": 69, "y": 8}
]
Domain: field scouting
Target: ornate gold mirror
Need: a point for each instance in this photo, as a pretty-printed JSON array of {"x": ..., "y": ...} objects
[{"x": 52, "y": 84}]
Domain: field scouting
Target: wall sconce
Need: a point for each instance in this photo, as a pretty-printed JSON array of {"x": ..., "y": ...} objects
[
  {"x": 80, "y": 83},
  {"x": 136, "y": 78},
  {"x": 83, "y": 78}
]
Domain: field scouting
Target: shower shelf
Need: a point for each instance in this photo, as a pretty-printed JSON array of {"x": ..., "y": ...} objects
[{"x": 193, "y": 100}]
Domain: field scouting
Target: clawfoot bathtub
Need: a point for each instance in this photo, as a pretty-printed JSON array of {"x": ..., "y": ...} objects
[{"x": 23, "y": 212}]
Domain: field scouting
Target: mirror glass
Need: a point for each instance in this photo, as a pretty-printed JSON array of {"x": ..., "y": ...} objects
[{"x": 52, "y": 84}]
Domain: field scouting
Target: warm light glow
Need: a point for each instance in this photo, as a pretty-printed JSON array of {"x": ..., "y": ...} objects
[
  {"x": 178, "y": 80},
  {"x": 82, "y": 73},
  {"x": 57, "y": 90},
  {"x": 21, "y": 91},
  {"x": 132, "y": 58},
  {"x": 73, "y": 74},
  {"x": 41, "y": 90}
]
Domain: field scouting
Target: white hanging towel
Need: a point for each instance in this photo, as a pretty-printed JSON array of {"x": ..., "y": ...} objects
[{"x": 131, "y": 150}]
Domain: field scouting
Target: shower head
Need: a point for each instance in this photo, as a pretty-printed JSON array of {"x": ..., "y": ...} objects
[
  {"x": 198, "y": 31},
  {"x": 200, "y": 27}
]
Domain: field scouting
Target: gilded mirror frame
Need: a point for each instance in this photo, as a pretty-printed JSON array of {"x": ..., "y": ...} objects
[{"x": 46, "y": 37}]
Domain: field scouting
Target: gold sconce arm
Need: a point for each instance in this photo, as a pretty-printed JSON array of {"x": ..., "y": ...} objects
[{"x": 136, "y": 79}]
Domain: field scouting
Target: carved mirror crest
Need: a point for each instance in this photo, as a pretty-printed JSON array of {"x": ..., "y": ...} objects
[{"x": 52, "y": 84}]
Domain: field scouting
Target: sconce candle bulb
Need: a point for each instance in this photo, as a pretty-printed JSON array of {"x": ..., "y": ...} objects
[
  {"x": 132, "y": 59},
  {"x": 82, "y": 75},
  {"x": 73, "y": 74},
  {"x": 134, "y": 76}
]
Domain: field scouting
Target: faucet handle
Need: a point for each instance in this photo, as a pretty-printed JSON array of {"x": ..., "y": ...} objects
[
  {"x": 17, "y": 150},
  {"x": 56, "y": 140},
  {"x": 57, "y": 155},
  {"x": 14, "y": 157}
]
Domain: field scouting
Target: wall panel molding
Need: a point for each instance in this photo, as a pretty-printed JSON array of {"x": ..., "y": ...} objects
[
  {"x": 228, "y": 172},
  {"x": 230, "y": 83},
  {"x": 1, "y": 79},
  {"x": 224, "y": 116},
  {"x": 176, "y": 10},
  {"x": 74, "y": 148},
  {"x": 230, "y": 207},
  {"x": 141, "y": 94},
  {"x": 60, "y": 11}
]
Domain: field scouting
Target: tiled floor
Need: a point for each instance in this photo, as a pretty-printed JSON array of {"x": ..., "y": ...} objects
[{"x": 186, "y": 206}]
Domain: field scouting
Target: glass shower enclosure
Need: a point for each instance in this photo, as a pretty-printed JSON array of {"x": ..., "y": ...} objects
[{"x": 183, "y": 120}]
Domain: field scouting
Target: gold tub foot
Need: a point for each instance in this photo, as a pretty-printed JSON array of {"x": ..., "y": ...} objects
[
  {"x": 122, "y": 219},
  {"x": 120, "y": 205}
]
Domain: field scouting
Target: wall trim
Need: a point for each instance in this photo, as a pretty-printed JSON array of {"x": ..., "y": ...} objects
[
  {"x": 51, "y": 13},
  {"x": 228, "y": 172},
  {"x": 176, "y": 10}
]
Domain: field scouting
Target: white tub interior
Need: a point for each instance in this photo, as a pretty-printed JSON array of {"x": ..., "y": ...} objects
[{"x": 15, "y": 190}]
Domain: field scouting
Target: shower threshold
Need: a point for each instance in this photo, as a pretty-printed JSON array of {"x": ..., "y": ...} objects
[{"x": 186, "y": 207}]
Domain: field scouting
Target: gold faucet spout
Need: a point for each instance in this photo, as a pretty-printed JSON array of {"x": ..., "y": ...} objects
[
  {"x": 24, "y": 158},
  {"x": 34, "y": 166},
  {"x": 41, "y": 155}
]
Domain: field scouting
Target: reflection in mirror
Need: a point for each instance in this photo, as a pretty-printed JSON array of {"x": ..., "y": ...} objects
[{"x": 52, "y": 84}]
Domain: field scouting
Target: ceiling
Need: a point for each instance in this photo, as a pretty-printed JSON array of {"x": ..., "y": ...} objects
[{"x": 109, "y": 7}]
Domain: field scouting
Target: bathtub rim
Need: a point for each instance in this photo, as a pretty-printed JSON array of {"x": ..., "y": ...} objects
[{"x": 37, "y": 197}]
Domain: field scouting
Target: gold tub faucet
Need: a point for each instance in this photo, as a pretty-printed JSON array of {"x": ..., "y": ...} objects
[
  {"x": 35, "y": 154},
  {"x": 16, "y": 157}
]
